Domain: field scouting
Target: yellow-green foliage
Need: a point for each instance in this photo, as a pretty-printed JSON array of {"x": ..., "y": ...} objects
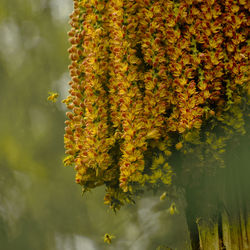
[{"x": 150, "y": 77}]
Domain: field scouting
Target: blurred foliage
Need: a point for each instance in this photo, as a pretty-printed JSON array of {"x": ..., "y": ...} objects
[{"x": 40, "y": 206}]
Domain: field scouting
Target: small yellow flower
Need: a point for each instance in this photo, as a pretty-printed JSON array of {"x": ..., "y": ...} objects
[
  {"x": 108, "y": 238},
  {"x": 52, "y": 96},
  {"x": 235, "y": 8},
  {"x": 153, "y": 134},
  {"x": 68, "y": 160},
  {"x": 68, "y": 100},
  {"x": 178, "y": 146},
  {"x": 158, "y": 160}
]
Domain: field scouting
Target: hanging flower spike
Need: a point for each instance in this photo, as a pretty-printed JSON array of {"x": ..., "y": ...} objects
[
  {"x": 126, "y": 103},
  {"x": 148, "y": 78},
  {"x": 89, "y": 104}
]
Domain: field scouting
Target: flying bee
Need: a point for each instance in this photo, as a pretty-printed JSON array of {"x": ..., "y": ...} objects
[
  {"x": 163, "y": 196},
  {"x": 52, "y": 96},
  {"x": 173, "y": 210},
  {"x": 108, "y": 238}
]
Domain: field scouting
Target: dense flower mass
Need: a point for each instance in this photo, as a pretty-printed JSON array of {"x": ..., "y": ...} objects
[{"x": 148, "y": 78}]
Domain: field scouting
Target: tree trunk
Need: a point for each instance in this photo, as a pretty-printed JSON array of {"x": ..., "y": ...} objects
[
  {"x": 218, "y": 207},
  {"x": 229, "y": 230},
  {"x": 208, "y": 234},
  {"x": 233, "y": 234}
]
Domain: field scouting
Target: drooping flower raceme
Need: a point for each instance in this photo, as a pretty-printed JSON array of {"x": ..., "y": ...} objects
[{"x": 148, "y": 78}]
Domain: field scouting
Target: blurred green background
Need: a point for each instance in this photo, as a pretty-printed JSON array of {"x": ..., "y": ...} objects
[{"x": 41, "y": 208}]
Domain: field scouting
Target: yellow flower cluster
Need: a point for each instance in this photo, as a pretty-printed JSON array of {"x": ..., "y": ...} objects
[{"x": 147, "y": 76}]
